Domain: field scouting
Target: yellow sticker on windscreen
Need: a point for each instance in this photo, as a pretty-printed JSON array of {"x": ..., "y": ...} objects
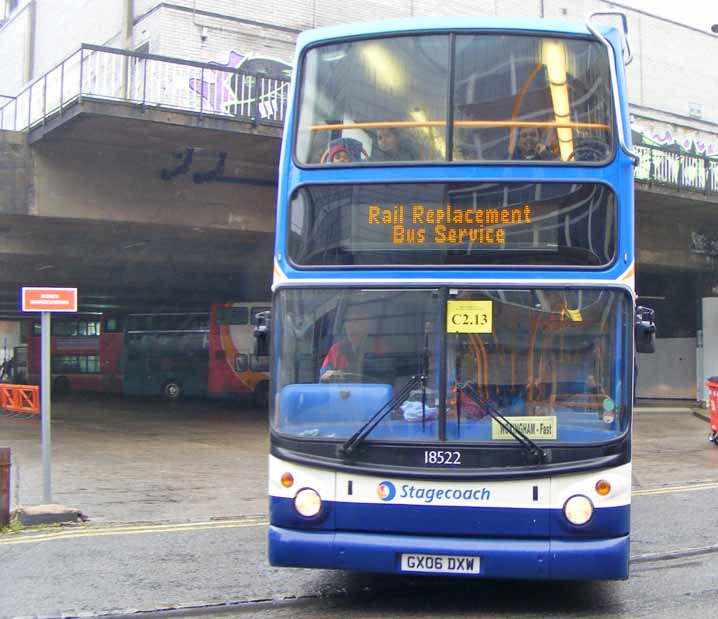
[
  {"x": 469, "y": 316},
  {"x": 536, "y": 428}
]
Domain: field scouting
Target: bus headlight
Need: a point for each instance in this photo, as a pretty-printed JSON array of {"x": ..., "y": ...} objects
[
  {"x": 307, "y": 502},
  {"x": 578, "y": 509}
]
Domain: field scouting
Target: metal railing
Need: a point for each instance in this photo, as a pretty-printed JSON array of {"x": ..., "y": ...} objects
[
  {"x": 148, "y": 80},
  {"x": 160, "y": 82},
  {"x": 677, "y": 170}
]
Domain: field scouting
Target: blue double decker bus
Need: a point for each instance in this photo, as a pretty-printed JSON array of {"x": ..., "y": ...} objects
[{"x": 453, "y": 322}]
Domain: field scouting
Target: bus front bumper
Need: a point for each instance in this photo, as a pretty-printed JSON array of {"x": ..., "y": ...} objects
[{"x": 554, "y": 559}]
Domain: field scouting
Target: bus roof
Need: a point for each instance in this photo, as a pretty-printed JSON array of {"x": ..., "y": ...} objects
[{"x": 427, "y": 24}]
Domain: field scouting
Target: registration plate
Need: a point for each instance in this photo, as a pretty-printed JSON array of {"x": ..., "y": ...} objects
[{"x": 443, "y": 564}]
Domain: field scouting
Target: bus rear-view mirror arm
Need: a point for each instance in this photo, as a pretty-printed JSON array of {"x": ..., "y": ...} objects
[
  {"x": 645, "y": 327},
  {"x": 262, "y": 333}
]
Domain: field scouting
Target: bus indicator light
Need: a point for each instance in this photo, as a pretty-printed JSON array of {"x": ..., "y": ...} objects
[
  {"x": 603, "y": 487},
  {"x": 287, "y": 480}
]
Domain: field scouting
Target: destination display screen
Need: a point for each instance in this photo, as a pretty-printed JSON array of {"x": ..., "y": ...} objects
[{"x": 522, "y": 224}]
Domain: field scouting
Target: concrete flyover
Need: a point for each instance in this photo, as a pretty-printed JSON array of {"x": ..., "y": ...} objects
[{"x": 138, "y": 201}]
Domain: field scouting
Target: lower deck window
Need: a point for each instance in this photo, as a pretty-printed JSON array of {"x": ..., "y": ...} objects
[{"x": 76, "y": 364}]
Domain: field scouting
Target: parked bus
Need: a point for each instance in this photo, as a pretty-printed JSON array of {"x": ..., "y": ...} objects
[
  {"x": 453, "y": 313},
  {"x": 195, "y": 354},
  {"x": 234, "y": 368},
  {"x": 85, "y": 353},
  {"x": 166, "y": 354}
]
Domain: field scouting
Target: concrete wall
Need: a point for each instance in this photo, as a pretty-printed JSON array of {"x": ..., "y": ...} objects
[
  {"x": 670, "y": 372},
  {"x": 305, "y": 14},
  {"x": 671, "y": 67},
  {"x": 671, "y": 70},
  {"x": 13, "y": 35},
  {"x": 661, "y": 48},
  {"x": 270, "y": 28},
  {"x": 62, "y": 25},
  {"x": 79, "y": 180},
  {"x": 16, "y": 174},
  {"x": 209, "y": 39},
  {"x": 664, "y": 235}
]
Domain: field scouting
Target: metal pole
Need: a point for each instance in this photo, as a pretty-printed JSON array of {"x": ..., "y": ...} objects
[
  {"x": 62, "y": 85},
  {"x": 144, "y": 83},
  {"x": 44, "y": 99},
  {"x": 82, "y": 63},
  {"x": 255, "y": 100},
  {"x": 45, "y": 387},
  {"x": 201, "y": 92}
]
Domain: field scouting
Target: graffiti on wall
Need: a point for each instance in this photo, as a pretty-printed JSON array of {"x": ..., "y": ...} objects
[
  {"x": 679, "y": 139},
  {"x": 262, "y": 80}
]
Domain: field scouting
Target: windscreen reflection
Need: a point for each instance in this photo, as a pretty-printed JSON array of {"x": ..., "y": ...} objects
[{"x": 555, "y": 362}]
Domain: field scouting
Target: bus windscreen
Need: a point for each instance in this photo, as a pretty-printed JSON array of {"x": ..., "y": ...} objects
[{"x": 453, "y": 224}]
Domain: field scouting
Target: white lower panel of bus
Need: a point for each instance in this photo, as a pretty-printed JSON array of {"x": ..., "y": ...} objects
[{"x": 443, "y": 564}]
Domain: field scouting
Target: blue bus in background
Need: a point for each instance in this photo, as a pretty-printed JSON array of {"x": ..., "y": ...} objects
[
  {"x": 166, "y": 354},
  {"x": 454, "y": 320}
]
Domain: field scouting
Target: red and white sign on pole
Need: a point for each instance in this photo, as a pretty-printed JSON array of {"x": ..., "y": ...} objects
[{"x": 49, "y": 299}]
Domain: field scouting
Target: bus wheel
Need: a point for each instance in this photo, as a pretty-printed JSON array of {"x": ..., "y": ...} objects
[
  {"x": 261, "y": 395},
  {"x": 61, "y": 386},
  {"x": 171, "y": 390}
]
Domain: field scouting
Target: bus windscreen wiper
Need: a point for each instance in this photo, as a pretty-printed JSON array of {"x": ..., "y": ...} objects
[
  {"x": 535, "y": 453},
  {"x": 356, "y": 439}
]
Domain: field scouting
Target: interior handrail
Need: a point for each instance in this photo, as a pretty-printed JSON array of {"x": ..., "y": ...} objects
[{"x": 410, "y": 124}]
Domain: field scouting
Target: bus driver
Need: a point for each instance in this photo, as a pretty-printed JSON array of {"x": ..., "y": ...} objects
[{"x": 345, "y": 358}]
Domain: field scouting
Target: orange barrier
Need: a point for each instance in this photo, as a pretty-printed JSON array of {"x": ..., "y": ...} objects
[{"x": 20, "y": 398}]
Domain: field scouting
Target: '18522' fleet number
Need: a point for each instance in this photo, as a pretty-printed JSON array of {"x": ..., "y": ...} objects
[{"x": 439, "y": 457}]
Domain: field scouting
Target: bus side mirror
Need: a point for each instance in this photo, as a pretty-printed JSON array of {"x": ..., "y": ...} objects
[
  {"x": 262, "y": 333},
  {"x": 645, "y": 328}
]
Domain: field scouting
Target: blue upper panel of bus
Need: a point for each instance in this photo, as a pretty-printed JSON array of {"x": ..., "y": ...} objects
[
  {"x": 395, "y": 26},
  {"x": 616, "y": 173}
]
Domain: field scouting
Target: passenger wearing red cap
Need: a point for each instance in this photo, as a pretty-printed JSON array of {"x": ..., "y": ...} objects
[
  {"x": 339, "y": 154},
  {"x": 343, "y": 150}
]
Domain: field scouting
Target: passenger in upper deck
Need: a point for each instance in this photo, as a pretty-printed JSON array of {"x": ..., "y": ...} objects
[
  {"x": 391, "y": 147},
  {"x": 531, "y": 147},
  {"x": 343, "y": 150}
]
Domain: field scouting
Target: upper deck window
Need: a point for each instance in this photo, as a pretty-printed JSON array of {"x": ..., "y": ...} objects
[{"x": 514, "y": 98}]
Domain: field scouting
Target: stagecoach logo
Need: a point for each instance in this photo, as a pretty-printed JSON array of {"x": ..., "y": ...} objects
[{"x": 386, "y": 491}]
